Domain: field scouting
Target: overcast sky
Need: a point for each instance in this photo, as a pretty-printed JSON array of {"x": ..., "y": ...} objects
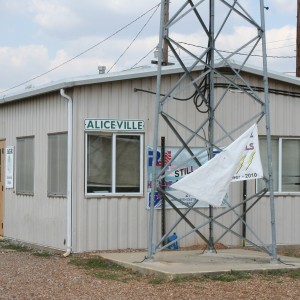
[{"x": 39, "y": 35}]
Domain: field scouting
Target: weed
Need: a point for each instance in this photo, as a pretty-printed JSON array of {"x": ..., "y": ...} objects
[
  {"x": 294, "y": 274},
  {"x": 18, "y": 248},
  {"x": 183, "y": 279},
  {"x": 96, "y": 263},
  {"x": 104, "y": 269},
  {"x": 229, "y": 277},
  {"x": 276, "y": 272},
  {"x": 157, "y": 280},
  {"x": 108, "y": 276},
  {"x": 224, "y": 277},
  {"x": 42, "y": 254}
]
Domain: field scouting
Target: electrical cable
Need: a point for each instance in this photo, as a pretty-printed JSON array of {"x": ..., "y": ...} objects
[
  {"x": 287, "y": 264},
  {"x": 139, "y": 262},
  {"x": 237, "y": 53},
  {"x": 134, "y": 38},
  {"x": 143, "y": 57},
  {"x": 83, "y": 52},
  {"x": 224, "y": 85},
  {"x": 154, "y": 93}
]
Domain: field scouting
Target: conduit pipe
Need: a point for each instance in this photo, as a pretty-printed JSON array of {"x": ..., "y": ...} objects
[{"x": 69, "y": 172}]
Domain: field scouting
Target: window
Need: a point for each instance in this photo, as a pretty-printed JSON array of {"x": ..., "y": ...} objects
[
  {"x": 286, "y": 164},
  {"x": 114, "y": 163},
  {"x": 25, "y": 165},
  {"x": 57, "y": 164}
]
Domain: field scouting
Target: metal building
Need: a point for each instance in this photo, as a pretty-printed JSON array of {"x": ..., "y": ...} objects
[{"x": 103, "y": 205}]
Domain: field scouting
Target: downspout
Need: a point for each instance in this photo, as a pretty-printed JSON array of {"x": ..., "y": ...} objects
[{"x": 69, "y": 173}]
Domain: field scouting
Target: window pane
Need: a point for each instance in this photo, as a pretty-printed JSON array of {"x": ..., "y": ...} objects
[
  {"x": 57, "y": 164},
  {"x": 290, "y": 165},
  {"x": 99, "y": 156},
  {"x": 25, "y": 165},
  {"x": 264, "y": 161},
  {"x": 128, "y": 164}
]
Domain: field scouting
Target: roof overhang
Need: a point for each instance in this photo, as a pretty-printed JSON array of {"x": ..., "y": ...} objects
[{"x": 132, "y": 74}]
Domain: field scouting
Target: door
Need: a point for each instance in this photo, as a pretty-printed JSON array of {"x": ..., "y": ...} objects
[{"x": 2, "y": 183}]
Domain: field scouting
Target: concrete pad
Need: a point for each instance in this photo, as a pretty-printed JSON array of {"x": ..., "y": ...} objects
[{"x": 173, "y": 264}]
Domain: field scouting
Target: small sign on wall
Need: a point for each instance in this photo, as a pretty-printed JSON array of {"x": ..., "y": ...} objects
[
  {"x": 9, "y": 167},
  {"x": 113, "y": 125}
]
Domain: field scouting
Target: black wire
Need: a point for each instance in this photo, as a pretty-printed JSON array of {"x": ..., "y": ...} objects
[
  {"x": 139, "y": 262},
  {"x": 143, "y": 58},
  {"x": 237, "y": 53},
  {"x": 134, "y": 39},
  {"x": 224, "y": 85},
  {"x": 78, "y": 55},
  {"x": 154, "y": 93},
  {"x": 287, "y": 264}
]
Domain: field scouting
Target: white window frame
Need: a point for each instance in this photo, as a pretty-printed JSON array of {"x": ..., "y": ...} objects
[
  {"x": 114, "y": 193},
  {"x": 280, "y": 156}
]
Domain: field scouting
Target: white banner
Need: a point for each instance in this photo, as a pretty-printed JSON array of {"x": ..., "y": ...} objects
[
  {"x": 250, "y": 166},
  {"x": 210, "y": 182}
]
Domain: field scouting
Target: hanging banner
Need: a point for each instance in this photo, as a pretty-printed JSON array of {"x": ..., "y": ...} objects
[
  {"x": 250, "y": 166},
  {"x": 9, "y": 167},
  {"x": 176, "y": 174},
  {"x": 210, "y": 182}
]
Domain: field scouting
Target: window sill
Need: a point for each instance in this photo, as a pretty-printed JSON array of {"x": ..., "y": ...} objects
[
  {"x": 120, "y": 195},
  {"x": 24, "y": 194},
  {"x": 56, "y": 196},
  {"x": 280, "y": 194}
]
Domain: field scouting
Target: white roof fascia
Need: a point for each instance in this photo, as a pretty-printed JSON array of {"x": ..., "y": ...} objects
[
  {"x": 132, "y": 74},
  {"x": 87, "y": 80}
]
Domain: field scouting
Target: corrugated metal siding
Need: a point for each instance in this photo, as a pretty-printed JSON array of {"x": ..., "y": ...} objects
[
  {"x": 287, "y": 220},
  {"x": 35, "y": 219},
  {"x": 106, "y": 223},
  {"x": 114, "y": 223},
  {"x": 118, "y": 223}
]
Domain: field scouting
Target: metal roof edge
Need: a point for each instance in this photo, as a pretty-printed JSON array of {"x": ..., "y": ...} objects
[
  {"x": 271, "y": 73},
  {"x": 87, "y": 80},
  {"x": 132, "y": 74}
]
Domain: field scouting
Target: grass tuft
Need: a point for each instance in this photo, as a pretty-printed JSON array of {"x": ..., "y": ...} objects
[
  {"x": 232, "y": 276},
  {"x": 42, "y": 254},
  {"x": 157, "y": 280},
  {"x": 18, "y": 248},
  {"x": 276, "y": 272},
  {"x": 294, "y": 274},
  {"x": 104, "y": 269}
]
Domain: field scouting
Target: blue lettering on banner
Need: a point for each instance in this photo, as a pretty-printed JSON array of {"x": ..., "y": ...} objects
[
  {"x": 174, "y": 172},
  {"x": 150, "y": 158}
]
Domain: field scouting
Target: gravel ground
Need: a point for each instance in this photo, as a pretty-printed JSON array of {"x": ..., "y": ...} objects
[{"x": 24, "y": 275}]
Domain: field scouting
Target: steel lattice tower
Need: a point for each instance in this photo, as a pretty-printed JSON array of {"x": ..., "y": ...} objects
[{"x": 214, "y": 20}]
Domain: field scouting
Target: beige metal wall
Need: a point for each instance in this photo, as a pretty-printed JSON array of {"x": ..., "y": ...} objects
[
  {"x": 119, "y": 223},
  {"x": 114, "y": 223},
  {"x": 35, "y": 219}
]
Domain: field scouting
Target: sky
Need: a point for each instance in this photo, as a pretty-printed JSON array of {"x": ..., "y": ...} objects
[{"x": 74, "y": 37}]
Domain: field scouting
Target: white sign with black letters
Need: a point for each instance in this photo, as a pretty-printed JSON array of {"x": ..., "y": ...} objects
[{"x": 9, "y": 167}]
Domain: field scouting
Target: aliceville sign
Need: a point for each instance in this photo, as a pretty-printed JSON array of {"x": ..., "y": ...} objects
[{"x": 114, "y": 125}]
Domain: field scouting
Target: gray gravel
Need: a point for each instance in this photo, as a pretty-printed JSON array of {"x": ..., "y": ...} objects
[{"x": 26, "y": 276}]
